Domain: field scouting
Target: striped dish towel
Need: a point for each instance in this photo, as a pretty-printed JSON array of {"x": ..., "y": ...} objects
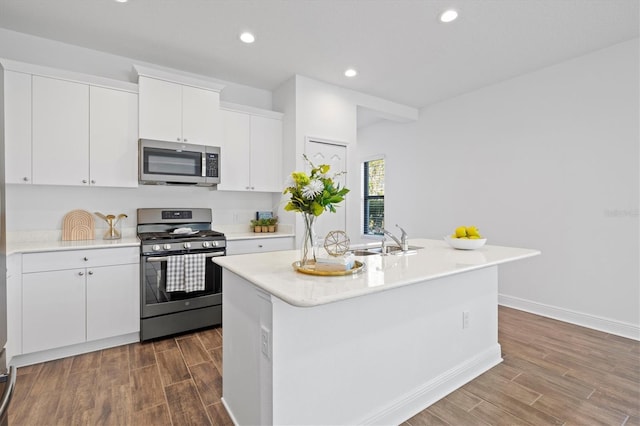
[
  {"x": 194, "y": 272},
  {"x": 175, "y": 273}
]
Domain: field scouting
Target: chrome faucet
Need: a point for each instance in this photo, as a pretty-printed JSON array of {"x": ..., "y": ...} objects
[{"x": 402, "y": 242}]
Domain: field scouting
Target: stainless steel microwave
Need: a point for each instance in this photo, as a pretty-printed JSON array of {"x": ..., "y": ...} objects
[{"x": 175, "y": 163}]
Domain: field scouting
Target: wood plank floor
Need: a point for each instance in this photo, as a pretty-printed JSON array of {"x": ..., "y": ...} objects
[{"x": 553, "y": 373}]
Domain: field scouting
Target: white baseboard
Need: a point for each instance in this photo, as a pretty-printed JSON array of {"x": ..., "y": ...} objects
[
  {"x": 410, "y": 404},
  {"x": 231, "y": 416},
  {"x": 619, "y": 328},
  {"x": 66, "y": 351}
]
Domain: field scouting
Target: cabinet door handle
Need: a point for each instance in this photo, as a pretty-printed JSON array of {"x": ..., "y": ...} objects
[
  {"x": 260, "y": 245},
  {"x": 84, "y": 181},
  {"x": 85, "y": 259},
  {"x": 81, "y": 273},
  {"x": 186, "y": 140},
  {"x": 90, "y": 272},
  {"x": 178, "y": 139},
  {"x": 26, "y": 179},
  {"x": 92, "y": 181}
]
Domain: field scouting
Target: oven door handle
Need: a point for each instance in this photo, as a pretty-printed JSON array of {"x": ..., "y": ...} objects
[{"x": 165, "y": 258}]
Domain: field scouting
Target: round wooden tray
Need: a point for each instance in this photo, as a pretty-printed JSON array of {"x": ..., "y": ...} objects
[{"x": 310, "y": 269}]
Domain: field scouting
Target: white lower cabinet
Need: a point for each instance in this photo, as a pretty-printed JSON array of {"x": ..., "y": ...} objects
[
  {"x": 63, "y": 304},
  {"x": 113, "y": 303},
  {"x": 259, "y": 245},
  {"x": 14, "y": 306},
  {"x": 53, "y": 309}
]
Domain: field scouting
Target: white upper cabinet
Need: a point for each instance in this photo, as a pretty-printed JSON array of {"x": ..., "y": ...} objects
[
  {"x": 235, "y": 151},
  {"x": 266, "y": 154},
  {"x": 17, "y": 127},
  {"x": 113, "y": 134},
  {"x": 201, "y": 116},
  {"x": 60, "y": 132},
  {"x": 251, "y": 153},
  {"x": 160, "y": 110},
  {"x": 175, "y": 112}
]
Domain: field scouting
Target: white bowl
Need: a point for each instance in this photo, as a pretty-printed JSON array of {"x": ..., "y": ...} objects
[{"x": 464, "y": 244}]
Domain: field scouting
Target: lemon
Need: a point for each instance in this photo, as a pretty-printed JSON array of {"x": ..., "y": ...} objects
[
  {"x": 461, "y": 232},
  {"x": 474, "y": 237},
  {"x": 472, "y": 231}
]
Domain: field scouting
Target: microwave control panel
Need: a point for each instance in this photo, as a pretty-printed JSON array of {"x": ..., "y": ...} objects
[{"x": 212, "y": 165}]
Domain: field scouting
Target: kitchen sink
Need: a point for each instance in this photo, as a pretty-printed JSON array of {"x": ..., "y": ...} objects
[{"x": 389, "y": 250}]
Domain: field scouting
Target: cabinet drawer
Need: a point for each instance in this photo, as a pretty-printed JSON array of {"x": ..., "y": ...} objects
[
  {"x": 69, "y": 259},
  {"x": 259, "y": 245}
]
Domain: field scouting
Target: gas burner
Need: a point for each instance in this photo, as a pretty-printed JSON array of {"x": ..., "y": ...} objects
[{"x": 156, "y": 236}]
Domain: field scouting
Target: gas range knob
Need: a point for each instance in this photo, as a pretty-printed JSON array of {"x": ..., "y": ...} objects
[
  {"x": 155, "y": 247},
  {"x": 206, "y": 244},
  {"x": 166, "y": 246},
  {"x": 186, "y": 245}
]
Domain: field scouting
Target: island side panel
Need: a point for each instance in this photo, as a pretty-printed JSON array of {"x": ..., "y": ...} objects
[
  {"x": 247, "y": 384},
  {"x": 381, "y": 358}
]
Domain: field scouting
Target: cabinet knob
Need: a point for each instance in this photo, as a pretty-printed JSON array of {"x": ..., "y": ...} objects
[
  {"x": 178, "y": 139},
  {"x": 90, "y": 272},
  {"x": 247, "y": 187},
  {"x": 85, "y": 259},
  {"x": 253, "y": 187},
  {"x": 26, "y": 179},
  {"x": 81, "y": 273},
  {"x": 84, "y": 181},
  {"x": 260, "y": 246},
  {"x": 186, "y": 140},
  {"x": 93, "y": 181}
]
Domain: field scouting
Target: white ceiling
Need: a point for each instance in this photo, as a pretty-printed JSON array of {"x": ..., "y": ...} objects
[{"x": 400, "y": 49}]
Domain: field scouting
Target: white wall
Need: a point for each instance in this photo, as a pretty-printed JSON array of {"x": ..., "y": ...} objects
[
  {"x": 319, "y": 110},
  {"x": 548, "y": 160},
  {"x": 42, "y": 208}
]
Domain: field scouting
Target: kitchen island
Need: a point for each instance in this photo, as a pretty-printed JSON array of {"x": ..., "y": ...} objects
[{"x": 370, "y": 348}]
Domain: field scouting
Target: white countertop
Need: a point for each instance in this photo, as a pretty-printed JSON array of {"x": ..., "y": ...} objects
[
  {"x": 273, "y": 271},
  {"x": 233, "y": 236},
  {"x": 38, "y": 241},
  {"x": 57, "y": 245}
]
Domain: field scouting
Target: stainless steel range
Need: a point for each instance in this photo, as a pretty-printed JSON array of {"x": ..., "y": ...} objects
[{"x": 181, "y": 287}]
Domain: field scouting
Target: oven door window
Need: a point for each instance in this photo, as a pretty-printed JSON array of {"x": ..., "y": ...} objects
[
  {"x": 159, "y": 161},
  {"x": 155, "y": 278}
]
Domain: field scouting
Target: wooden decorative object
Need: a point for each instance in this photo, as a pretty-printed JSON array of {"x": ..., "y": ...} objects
[{"x": 78, "y": 225}]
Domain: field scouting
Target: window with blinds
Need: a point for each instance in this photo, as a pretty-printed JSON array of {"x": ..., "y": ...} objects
[{"x": 373, "y": 218}]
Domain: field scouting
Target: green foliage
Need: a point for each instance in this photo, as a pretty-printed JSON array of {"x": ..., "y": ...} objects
[{"x": 314, "y": 193}]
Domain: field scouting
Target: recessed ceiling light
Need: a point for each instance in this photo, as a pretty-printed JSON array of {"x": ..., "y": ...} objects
[
  {"x": 351, "y": 72},
  {"x": 448, "y": 16},
  {"x": 122, "y": 1},
  {"x": 247, "y": 37}
]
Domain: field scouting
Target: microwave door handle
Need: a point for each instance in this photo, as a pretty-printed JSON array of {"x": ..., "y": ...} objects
[{"x": 204, "y": 165}]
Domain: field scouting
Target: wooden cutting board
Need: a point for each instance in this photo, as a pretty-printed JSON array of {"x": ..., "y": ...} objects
[{"x": 78, "y": 225}]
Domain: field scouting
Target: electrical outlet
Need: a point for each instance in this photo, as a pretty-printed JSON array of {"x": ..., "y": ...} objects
[
  {"x": 265, "y": 342},
  {"x": 465, "y": 319},
  {"x": 236, "y": 218}
]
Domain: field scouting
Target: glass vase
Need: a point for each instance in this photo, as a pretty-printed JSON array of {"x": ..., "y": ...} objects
[{"x": 307, "y": 249}]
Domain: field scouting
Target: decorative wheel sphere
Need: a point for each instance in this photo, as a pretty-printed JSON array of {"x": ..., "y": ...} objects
[{"x": 337, "y": 243}]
